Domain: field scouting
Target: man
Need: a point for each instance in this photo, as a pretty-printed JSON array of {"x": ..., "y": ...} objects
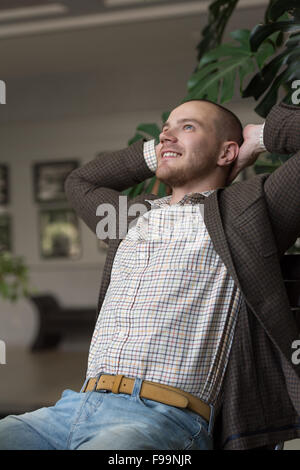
[{"x": 193, "y": 344}]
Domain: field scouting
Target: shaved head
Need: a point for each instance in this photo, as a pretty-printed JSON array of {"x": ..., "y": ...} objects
[
  {"x": 199, "y": 144},
  {"x": 227, "y": 124}
]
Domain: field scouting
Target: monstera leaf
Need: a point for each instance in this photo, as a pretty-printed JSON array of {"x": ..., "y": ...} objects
[
  {"x": 278, "y": 8},
  {"x": 283, "y": 69},
  {"x": 219, "y": 69},
  {"x": 219, "y": 12}
]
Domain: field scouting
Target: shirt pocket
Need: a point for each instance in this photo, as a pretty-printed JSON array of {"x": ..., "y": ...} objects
[{"x": 185, "y": 255}]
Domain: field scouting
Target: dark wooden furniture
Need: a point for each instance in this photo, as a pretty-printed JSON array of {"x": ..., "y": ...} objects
[{"x": 57, "y": 322}]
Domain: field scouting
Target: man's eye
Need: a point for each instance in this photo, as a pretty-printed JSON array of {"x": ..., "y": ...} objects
[{"x": 188, "y": 125}]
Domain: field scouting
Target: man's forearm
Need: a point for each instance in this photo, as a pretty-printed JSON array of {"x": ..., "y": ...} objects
[
  {"x": 282, "y": 129},
  {"x": 115, "y": 170},
  {"x": 101, "y": 180},
  {"x": 282, "y": 186}
]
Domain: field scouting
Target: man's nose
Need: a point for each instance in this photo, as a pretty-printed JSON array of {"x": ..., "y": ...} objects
[{"x": 167, "y": 135}]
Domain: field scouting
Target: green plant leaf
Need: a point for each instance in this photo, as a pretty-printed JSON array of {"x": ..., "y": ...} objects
[
  {"x": 242, "y": 36},
  {"x": 135, "y": 138},
  {"x": 4, "y": 289},
  {"x": 270, "y": 98},
  {"x": 261, "y": 32},
  {"x": 165, "y": 115},
  {"x": 262, "y": 81},
  {"x": 13, "y": 276},
  {"x": 216, "y": 73},
  {"x": 245, "y": 70},
  {"x": 138, "y": 189},
  {"x": 149, "y": 187},
  {"x": 228, "y": 86},
  {"x": 219, "y": 13},
  {"x": 213, "y": 92},
  {"x": 265, "y": 51},
  {"x": 197, "y": 77},
  {"x": 222, "y": 70},
  {"x": 225, "y": 50},
  {"x": 161, "y": 190},
  {"x": 151, "y": 129},
  {"x": 293, "y": 40},
  {"x": 279, "y": 7}
]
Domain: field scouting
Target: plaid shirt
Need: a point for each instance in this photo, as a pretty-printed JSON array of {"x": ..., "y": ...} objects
[{"x": 171, "y": 307}]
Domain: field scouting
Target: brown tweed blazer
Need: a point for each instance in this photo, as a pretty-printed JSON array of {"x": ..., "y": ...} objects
[{"x": 252, "y": 224}]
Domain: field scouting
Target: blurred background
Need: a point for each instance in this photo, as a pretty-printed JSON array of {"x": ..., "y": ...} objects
[{"x": 80, "y": 76}]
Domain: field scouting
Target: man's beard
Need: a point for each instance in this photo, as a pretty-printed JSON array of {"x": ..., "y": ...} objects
[
  {"x": 175, "y": 177},
  {"x": 201, "y": 166}
]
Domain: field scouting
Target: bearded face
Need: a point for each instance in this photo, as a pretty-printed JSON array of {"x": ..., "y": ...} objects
[{"x": 188, "y": 145}]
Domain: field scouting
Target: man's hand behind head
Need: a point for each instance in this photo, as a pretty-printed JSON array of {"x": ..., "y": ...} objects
[{"x": 249, "y": 151}]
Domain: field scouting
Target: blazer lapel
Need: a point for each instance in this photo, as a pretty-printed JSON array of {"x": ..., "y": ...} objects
[{"x": 213, "y": 222}]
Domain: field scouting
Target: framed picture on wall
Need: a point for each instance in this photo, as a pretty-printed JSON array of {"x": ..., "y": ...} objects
[
  {"x": 59, "y": 234},
  {"x": 5, "y": 233},
  {"x": 4, "y": 184},
  {"x": 49, "y": 178}
]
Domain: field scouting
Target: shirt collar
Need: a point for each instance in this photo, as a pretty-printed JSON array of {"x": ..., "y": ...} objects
[{"x": 190, "y": 198}]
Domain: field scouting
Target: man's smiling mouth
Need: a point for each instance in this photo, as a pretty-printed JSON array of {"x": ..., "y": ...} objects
[{"x": 168, "y": 154}]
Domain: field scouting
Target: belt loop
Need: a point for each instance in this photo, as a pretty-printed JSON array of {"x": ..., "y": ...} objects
[
  {"x": 117, "y": 382},
  {"x": 137, "y": 387},
  {"x": 84, "y": 385},
  {"x": 90, "y": 384}
]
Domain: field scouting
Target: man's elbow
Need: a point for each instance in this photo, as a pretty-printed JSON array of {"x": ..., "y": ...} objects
[{"x": 69, "y": 186}]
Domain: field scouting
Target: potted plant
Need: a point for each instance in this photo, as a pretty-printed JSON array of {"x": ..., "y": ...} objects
[{"x": 14, "y": 279}]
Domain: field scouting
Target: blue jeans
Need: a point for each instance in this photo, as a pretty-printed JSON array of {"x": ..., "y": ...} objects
[{"x": 105, "y": 421}]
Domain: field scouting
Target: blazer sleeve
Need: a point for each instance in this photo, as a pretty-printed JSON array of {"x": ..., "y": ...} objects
[
  {"x": 102, "y": 180},
  {"x": 282, "y": 187}
]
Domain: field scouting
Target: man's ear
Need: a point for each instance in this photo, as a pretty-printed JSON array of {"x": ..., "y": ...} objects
[{"x": 228, "y": 153}]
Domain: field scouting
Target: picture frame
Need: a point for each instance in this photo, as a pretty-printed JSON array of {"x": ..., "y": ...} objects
[
  {"x": 59, "y": 234},
  {"x": 5, "y": 232},
  {"x": 49, "y": 178},
  {"x": 4, "y": 184}
]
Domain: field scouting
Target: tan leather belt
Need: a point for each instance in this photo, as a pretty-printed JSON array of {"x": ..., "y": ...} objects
[{"x": 151, "y": 390}]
